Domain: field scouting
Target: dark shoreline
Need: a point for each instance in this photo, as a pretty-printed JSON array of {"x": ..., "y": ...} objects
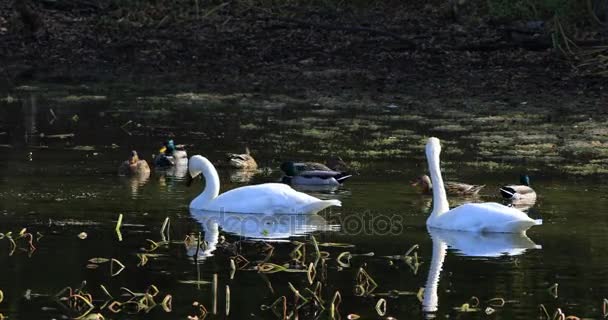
[{"x": 396, "y": 48}]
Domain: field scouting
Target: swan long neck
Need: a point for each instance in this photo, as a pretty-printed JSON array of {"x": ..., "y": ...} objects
[
  {"x": 440, "y": 201},
  {"x": 430, "y": 300},
  {"x": 212, "y": 181}
]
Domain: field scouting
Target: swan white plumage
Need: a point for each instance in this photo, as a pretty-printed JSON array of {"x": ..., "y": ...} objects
[
  {"x": 474, "y": 217},
  {"x": 267, "y": 198}
]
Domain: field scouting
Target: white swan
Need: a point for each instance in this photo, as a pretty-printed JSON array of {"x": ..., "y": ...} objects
[
  {"x": 468, "y": 244},
  {"x": 474, "y": 217},
  {"x": 267, "y": 198}
]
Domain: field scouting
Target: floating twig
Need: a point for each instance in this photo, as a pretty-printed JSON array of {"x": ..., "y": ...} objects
[
  {"x": 335, "y": 303},
  {"x": 227, "y": 300},
  {"x": 280, "y": 302},
  {"x": 112, "y": 262},
  {"x": 553, "y": 290},
  {"x": 164, "y": 228},
  {"x": 118, "y": 225}
]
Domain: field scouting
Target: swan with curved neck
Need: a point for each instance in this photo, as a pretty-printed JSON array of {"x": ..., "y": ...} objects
[
  {"x": 475, "y": 217},
  {"x": 266, "y": 198}
]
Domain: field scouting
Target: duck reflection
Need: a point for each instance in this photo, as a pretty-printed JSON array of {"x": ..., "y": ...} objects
[
  {"x": 178, "y": 170},
  {"x": 242, "y": 175},
  {"x": 468, "y": 244},
  {"x": 267, "y": 227}
]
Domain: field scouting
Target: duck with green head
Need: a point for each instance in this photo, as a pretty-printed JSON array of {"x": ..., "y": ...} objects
[
  {"x": 171, "y": 155},
  {"x": 311, "y": 173},
  {"x": 519, "y": 191}
]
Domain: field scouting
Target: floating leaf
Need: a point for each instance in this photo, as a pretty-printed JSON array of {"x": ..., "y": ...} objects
[
  {"x": 166, "y": 304},
  {"x": 194, "y": 282},
  {"x": 99, "y": 260},
  {"x": 420, "y": 294},
  {"x": 94, "y": 316},
  {"x": 103, "y": 288},
  {"x": 465, "y": 307},
  {"x": 496, "y": 302},
  {"x": 297, "y": 293},
  {"x": 281, "y": 302},
  {"x": 335, "y": 303},
  {"x": 143, "y": 259},
  {"x": 312, "y": 273},
  {"x": 344, "y": 256},
  {"x": 544, "y": 312},
  {"x": 272, "y": 268},
  {"x": 365, "y": 283},
  {"x": 115, "y": 306},
  {"x": 475, "y": 302},
  {"x": 227, "y": 300},
  {"x": 553, "y": 290},
  {"x": 336, "y": 245},
  {"x": 152, "y": 290},
  {"x": 381, "y": 307}
]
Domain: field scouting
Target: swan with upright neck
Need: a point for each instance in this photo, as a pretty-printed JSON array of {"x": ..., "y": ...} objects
[
  {"x": 474, "y": 217},
  {"x": 266, "y": 198}
]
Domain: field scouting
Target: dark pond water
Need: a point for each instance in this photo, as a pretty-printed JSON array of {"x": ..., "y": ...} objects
[{"x": 61, "y": 148}]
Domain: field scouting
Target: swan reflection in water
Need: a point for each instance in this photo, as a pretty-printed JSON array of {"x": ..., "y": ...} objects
[
  {"x": 470, "y": 244},
  {"x": 274, "y": 227}
]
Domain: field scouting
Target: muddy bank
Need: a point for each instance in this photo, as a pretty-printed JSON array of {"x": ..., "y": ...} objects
[
  {"x": 393, "y": 47},
  {"x": 406, "y": 70}
]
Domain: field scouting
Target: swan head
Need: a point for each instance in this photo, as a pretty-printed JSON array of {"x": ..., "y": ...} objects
[
  {"x": 433, "y": 148},
  {"x": 197, "y": 164}
]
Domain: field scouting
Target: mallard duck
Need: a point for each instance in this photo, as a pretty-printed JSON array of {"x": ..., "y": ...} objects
[
  {"x": 519, "y": 191},
  {"x": 453, "y": 188},
  {"x": 471, "y": 217},
  {"x": 266, "y": 198},
  {"x": 242, "y": 161},
  {"x": 134, "y": 166},
  {"x": 311, "y": 173},
  {"x": 170, "y": 155}
]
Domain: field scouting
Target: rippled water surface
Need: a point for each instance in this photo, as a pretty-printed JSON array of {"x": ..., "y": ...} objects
[{"x": 62, "y": 147}]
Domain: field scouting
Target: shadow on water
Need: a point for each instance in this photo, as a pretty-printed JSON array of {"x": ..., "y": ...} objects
[{"x": 62, "y": 147}]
